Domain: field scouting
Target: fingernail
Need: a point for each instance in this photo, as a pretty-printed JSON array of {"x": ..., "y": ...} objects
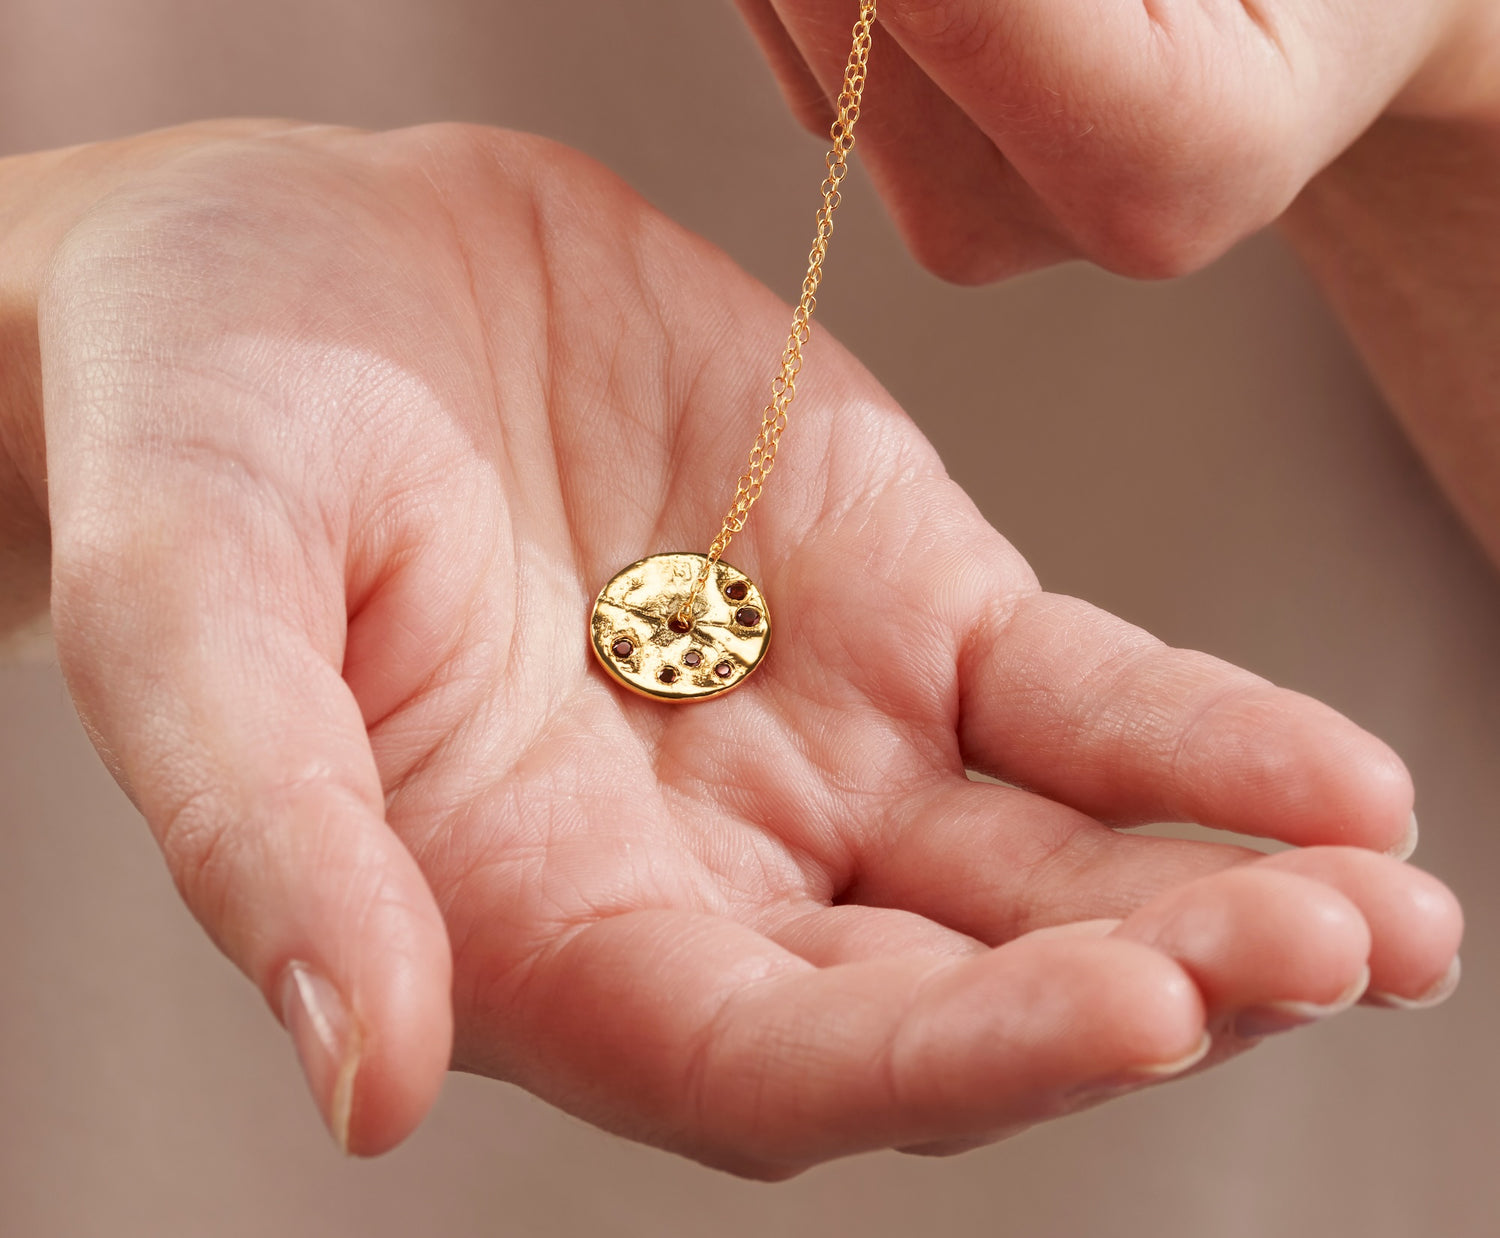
[
  {"x": 1165, "y": 1070},
  {"x": 1435, "y": 996},
  {"x": 1267, "y": 1019},
  {"x": 1134, "y": 1077},
  {"x": 1404, "y": 849},
  {"x": 328, "y": 1044}
]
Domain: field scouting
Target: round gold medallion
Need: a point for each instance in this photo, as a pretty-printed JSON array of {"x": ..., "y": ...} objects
[{"x": 638, "y": 639}]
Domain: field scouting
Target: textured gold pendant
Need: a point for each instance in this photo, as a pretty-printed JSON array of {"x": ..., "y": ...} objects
[{"x": 639, "y": 641}]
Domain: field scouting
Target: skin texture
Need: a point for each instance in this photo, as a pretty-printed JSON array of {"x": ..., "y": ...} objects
[
  {"x": 1403, "y": 234},
  {"x": 342, "y": 434},
  {"x": 1147, "y": 137}
]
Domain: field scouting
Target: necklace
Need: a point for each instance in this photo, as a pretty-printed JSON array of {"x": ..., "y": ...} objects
[{"x": 687, "y": 626}]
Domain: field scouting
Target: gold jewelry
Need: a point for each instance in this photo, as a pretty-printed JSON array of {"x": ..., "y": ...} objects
[{"x": 685, "y": 626}]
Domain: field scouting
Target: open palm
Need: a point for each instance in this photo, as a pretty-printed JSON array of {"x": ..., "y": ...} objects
[{"x": 344, "y": 432}]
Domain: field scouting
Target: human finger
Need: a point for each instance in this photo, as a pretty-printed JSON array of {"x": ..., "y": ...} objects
[
  {"x": 1120, "y": 132},
  {"x": 1417, "y": 921},
  {"x": 1268, "y": 949},
  {"x": 697, "y": 1033},
  {"x": 964, "y": 210},
  {"x": 852, "y": 933},
  {"x": 246, "y": 753},
  {"x": 1082, "y": 707},
  {"x": 200, "y": 618},
  {"x": 996, "y": 862}
]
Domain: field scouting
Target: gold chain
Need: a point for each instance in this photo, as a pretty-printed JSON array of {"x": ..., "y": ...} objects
[{"x": 784, "y": 386}]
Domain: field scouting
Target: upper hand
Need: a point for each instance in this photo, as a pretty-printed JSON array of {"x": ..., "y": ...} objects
[{"x": 1147, "y": 137}]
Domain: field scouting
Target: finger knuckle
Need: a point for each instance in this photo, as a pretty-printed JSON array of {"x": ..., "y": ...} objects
[
  {"x": 1150, "y": 232},
  {"x": 968, "y": 256},
  {"x": 201, "y": 852},
  {"x": 960, "y": 29},
  {"x": 204, "y": 831},
  {"x": 1194, "y": 184}
]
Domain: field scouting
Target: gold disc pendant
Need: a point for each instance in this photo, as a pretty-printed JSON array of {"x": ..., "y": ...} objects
[{"x": 639, "y": 640}]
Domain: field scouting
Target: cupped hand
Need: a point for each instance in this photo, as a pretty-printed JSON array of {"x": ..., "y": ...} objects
[
  {"x": 344, "y": 431},
  {"x": 1147, "y": 137}
]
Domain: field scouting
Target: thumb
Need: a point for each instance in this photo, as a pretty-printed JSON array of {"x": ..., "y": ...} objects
[{"x": 202, "y": 638}]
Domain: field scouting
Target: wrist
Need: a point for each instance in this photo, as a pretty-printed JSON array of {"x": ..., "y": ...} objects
[
  {"x": 1460, "y": 79},
  {"x": 1403, "y": 235}
]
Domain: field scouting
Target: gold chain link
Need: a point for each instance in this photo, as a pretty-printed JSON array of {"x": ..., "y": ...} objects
[{"x": 784, "y": 386}]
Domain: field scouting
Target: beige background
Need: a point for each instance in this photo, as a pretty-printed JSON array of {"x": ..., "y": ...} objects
[{"x": 1203, "y": 457}]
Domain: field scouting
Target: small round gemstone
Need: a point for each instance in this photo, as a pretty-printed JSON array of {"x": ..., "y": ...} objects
[
  {"x": 679, "y": 625},
  {"x": 692, "y": 657},
  {"x": 736, "y": 591},
  {"x": 667, "y": 675},
  {"x": 622, "y": 648},
  {"x": 747, "y": 617},
  {"x": 724, "y": 670}
]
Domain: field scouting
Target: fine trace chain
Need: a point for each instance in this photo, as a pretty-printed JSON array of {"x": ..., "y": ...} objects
[{"x": 687, "y": 626}]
